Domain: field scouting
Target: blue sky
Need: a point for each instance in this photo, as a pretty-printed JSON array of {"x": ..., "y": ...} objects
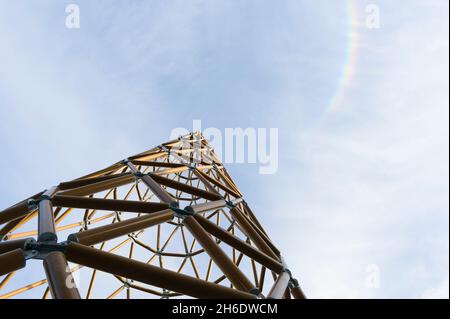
[{"x": 362, "y": 178}]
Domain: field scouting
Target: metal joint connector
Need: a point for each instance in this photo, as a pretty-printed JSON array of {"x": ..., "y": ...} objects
[
  {"x": 164, "y": 148},
  {"x": 33, "y": 203},
  {"x": 182, "y": 213},
  {"x": 124, "y": 161},
  {"x": 165, "y": 294},
  {"x": 138, "y": 175},
  {"x": 127, "y": 283},
  {"x": 293, "y": 283},
  {"x": 39, "y": 250},
  {"x": 230, "y": 204},
  {"x": 255, "y": 291}
]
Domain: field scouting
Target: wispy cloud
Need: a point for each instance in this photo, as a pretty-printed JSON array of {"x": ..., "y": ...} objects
[{"x": 372, "y": 183}]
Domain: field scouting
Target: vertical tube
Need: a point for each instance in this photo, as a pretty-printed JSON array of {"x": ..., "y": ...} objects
[
  {"x": 46, "y": 220},
  {"x": 103, "y": 233},
  {"x": 59, "y": 277}
]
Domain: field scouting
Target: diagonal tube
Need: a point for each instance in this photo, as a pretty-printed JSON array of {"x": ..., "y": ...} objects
[
  {"x": 103, "y": 233},
  {"x": 161, "y": 193},
  {"x": 233, "y": 273},
  {"x": 239, "y": 244},
  {"x": 185, "y": 188}
]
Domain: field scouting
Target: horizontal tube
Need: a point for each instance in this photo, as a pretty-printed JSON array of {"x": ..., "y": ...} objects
[
  {"x": 9, "y": 245},
  {"x": 105, "y": 171},
  {"x": 11, "y": 261},
  {"x": 99, "y": 186},
  {"x": 59, "y": 277},
  {"x": 279, "y": 287},
  {"x": 157, "y": 164},
  {"x": 149, "y": 274},
  {"x": 169, "y": 171},
  {"x": 172, "y": 143},
  {"x": 88, "y": 181},
  {"x": 148, "y": 156},
  {"x": 14, "y": 212},
  {"x": 107, "y": 204},
  {"x": 239, "y": 244},
  {"x": 18, "y": 210},
  {"x": 205, "y": 207},
  {"x": 100, "y": 234}
]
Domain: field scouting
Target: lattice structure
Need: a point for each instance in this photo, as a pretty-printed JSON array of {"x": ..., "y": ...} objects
[{"x": 166, "y": 223}]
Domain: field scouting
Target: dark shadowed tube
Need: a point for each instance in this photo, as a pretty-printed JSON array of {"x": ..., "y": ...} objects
[
  {"x": 297, "y": 293},
  {"x": 88, "y": 181},
  {"x": 46, "y": 218},
  {"x": 233, "y": 273},
  {"x": 239, "y": 244},
  {"x": 100, "y": 186},
  {"x": 107, "y": 204},
  {"x": 14, "y": 212},
  {"x": 9, "y": 245},
  {"x": 59, "y": 277},
  {"x": 150, "y": 274},
  {"x": 250, "y": 231},
  {"x": 103, "y": 233},
  {"x": 11, "y": 261}
]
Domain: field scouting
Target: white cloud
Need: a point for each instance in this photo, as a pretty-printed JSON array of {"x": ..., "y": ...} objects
[{"x": 371, "y": 185}]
